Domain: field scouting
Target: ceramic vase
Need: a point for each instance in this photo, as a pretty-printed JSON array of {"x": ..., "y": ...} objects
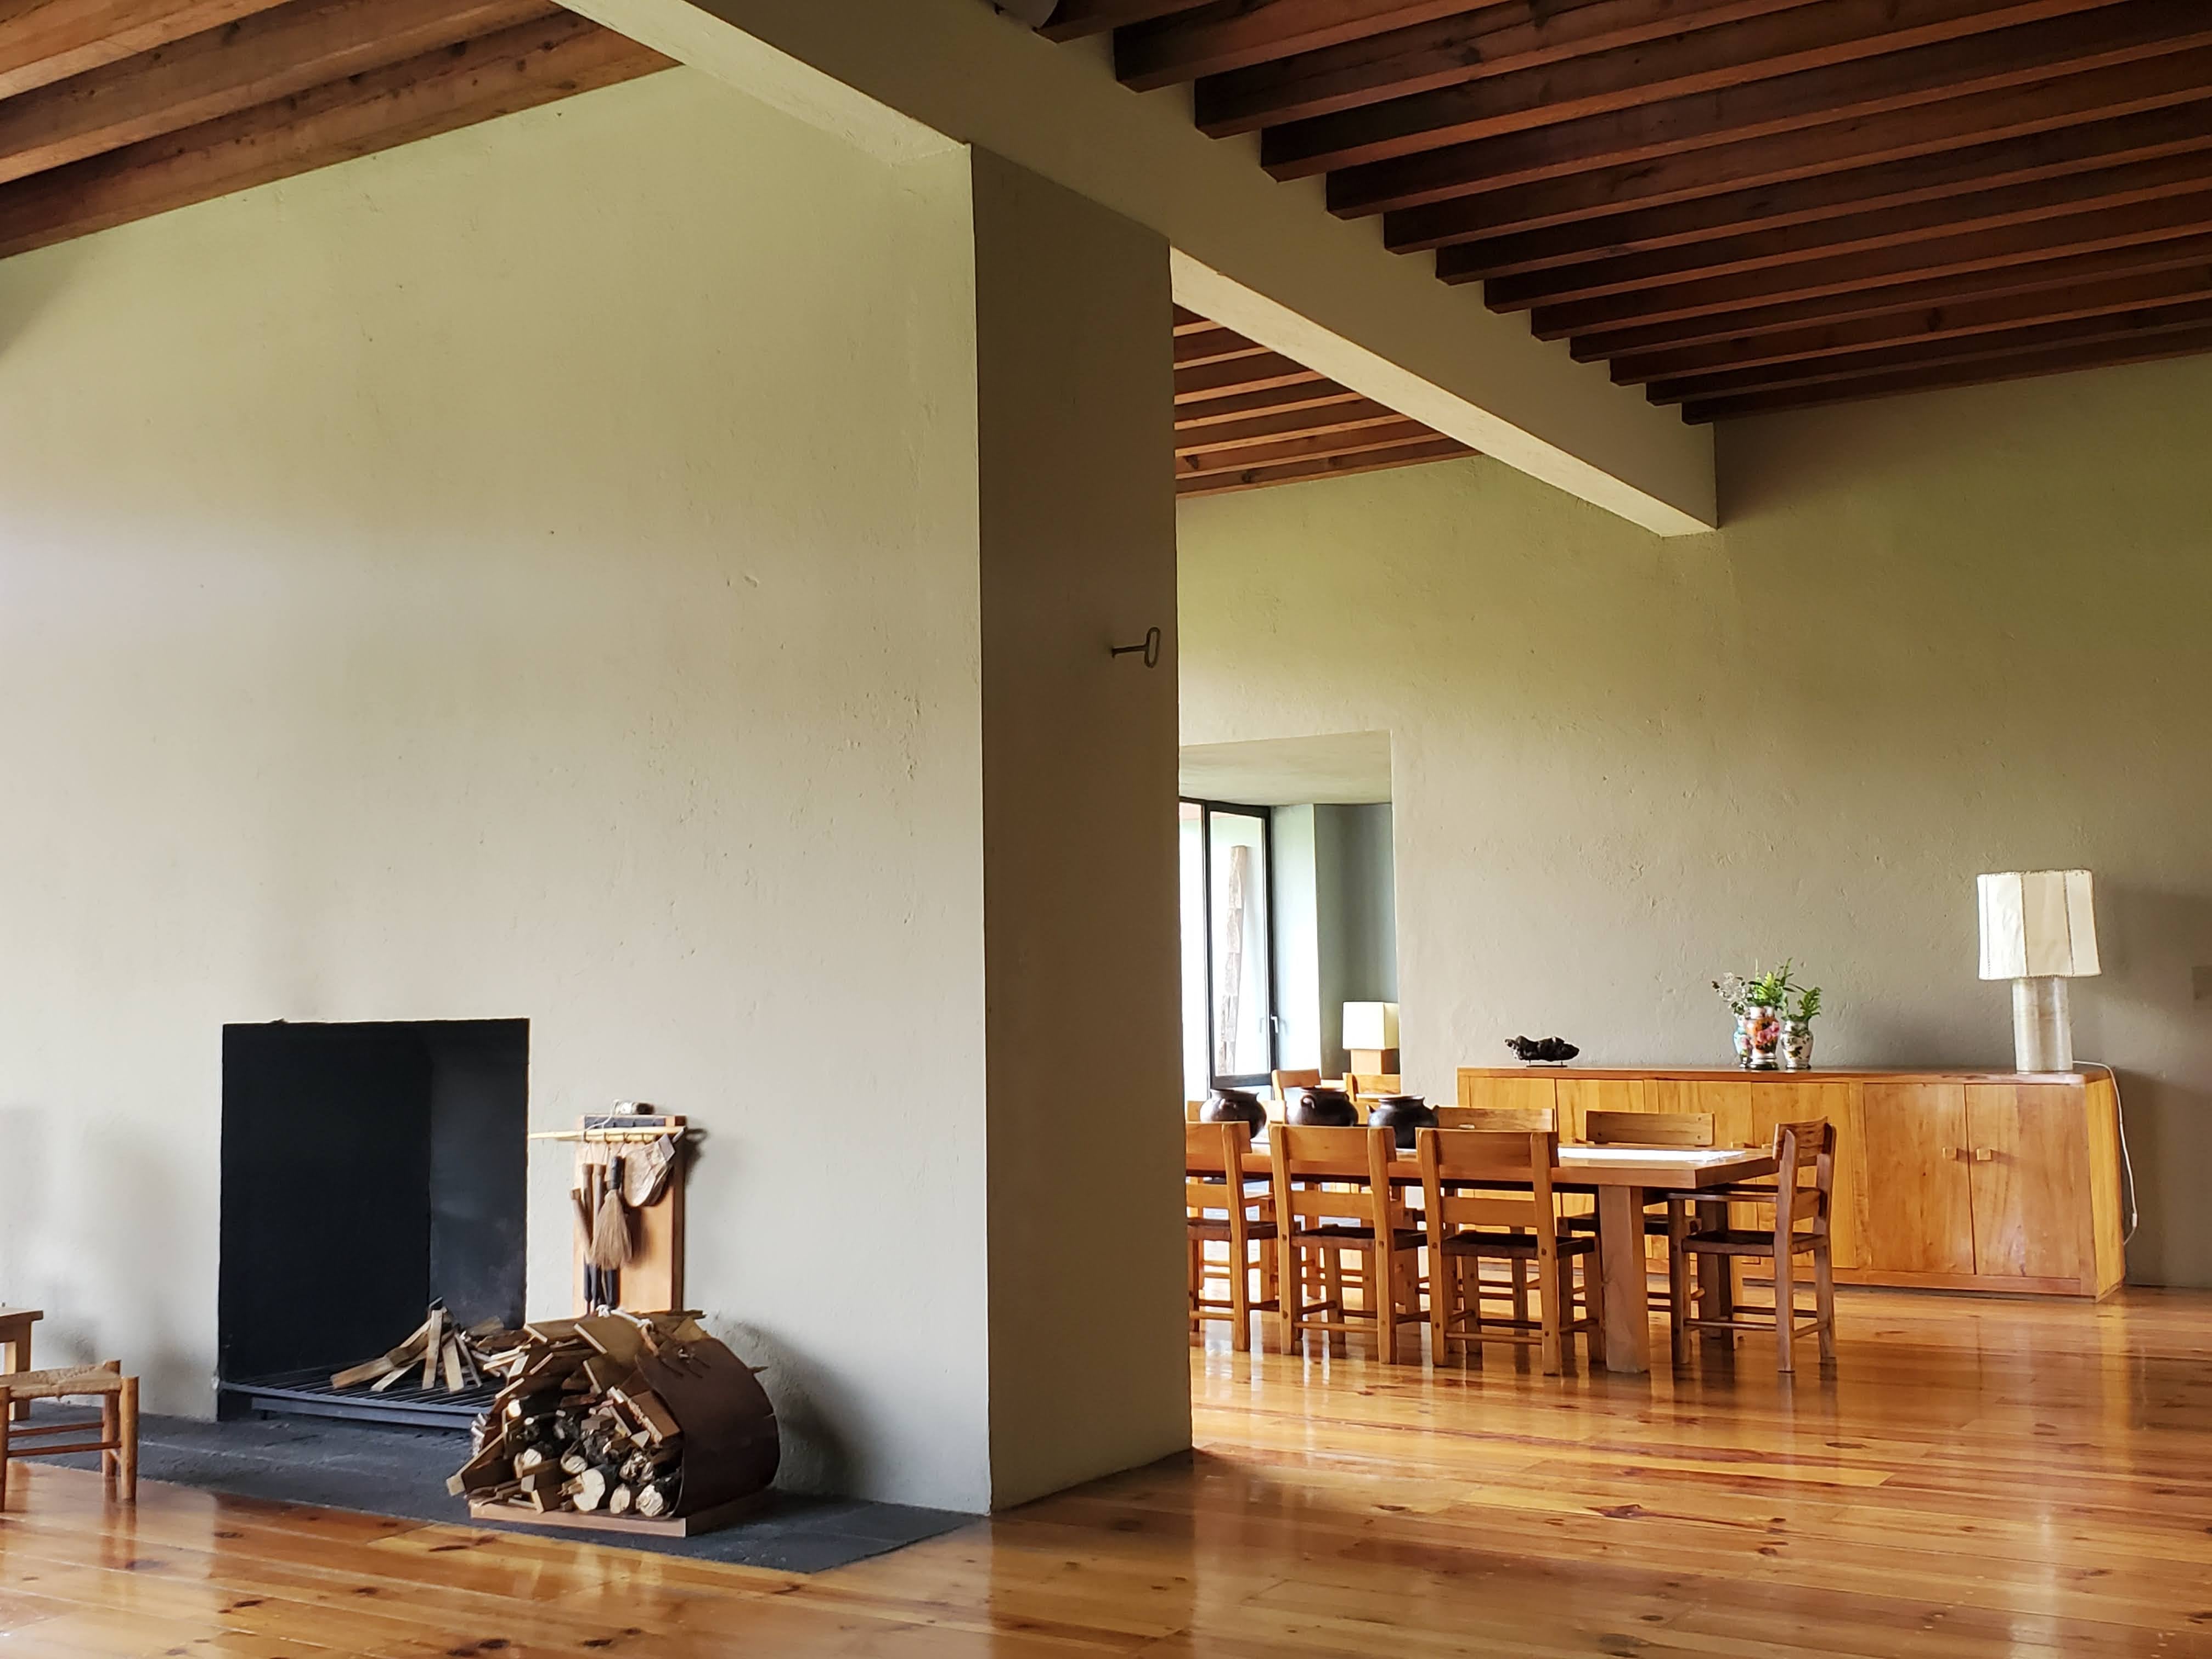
[
  {"x": 1796, "y": 1045},
  {"x": 1759, "y": 1038}
]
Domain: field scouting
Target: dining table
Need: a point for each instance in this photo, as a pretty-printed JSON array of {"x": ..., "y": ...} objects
[{"x": 1624, "y": 1180}]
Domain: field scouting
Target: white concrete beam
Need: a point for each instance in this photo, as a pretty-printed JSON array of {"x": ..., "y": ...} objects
[{"x": 903, "y": 77}]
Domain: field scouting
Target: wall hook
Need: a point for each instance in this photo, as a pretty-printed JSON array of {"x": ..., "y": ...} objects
[{"x": 1149, "y": 645}]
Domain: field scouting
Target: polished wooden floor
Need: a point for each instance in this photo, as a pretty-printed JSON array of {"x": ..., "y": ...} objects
[{"x": 1978, "y": 1478}]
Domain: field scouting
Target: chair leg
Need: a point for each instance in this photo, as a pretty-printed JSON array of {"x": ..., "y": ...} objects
[
  {"x": 1678, "y": 1281},
  {"x": 1785, "y": 1310},
  {"x": 1520, "y": 1290},
  {"x": 111, "y": 1431},
  {"x": 6, "y": 1426},
  {"x": 1443, "y": 1294},
  {"x": 1239, "y": 1301},
  {"x": 1549, "y": 1303},
  {"x": 1389, "y": 1263},
  {"x": 1194, "y": 1282},
  {"x": 128, "y": 1429},
  {"x": 1823, "y": 1299},
  {"x": 1332, "y": 1279},
  {"x": 1594, "y": 1302}
]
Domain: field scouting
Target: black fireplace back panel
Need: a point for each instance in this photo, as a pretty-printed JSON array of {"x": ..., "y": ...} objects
[{"x": 366, "y": 1168}]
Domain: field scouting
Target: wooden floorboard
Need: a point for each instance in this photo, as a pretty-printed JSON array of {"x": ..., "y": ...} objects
[{"x": 1976, "y": 1478}]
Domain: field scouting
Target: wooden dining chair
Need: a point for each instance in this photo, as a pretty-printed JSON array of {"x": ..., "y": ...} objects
[
  {"x": 1286, "y": 1081},
  {"x": 1672, "y": 1129},
  {"x": 113, "y": 1434},
  {"x": 1221, "y": 1207},
  {"x": 1800, "y": 1199},
  {"x": 1372, "y": 1083},
  {"x": 1514, "y": 1120},
  {"x": 1333, "y": 1196},
  {"x": 1467, "y": 1224}
]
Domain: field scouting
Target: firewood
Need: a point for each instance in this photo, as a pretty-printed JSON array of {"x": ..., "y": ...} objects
[
  {"x": 575, "y": 1461},
  {"x": 489, "y": 1468},
  {"x": 619, "y": 1500},
  {"x": 645, "y": 1409},
  {"x": 453, "y": 1357},
  {"x": 546, "y": 1479},
  {"x": 391, "y": 1377},
  {"x": 434, "y": 1344},
  {"x": 589, "y": 1490},
  {"x": 529, "y": 1458},
  {"x": 655, "y": 1500}
]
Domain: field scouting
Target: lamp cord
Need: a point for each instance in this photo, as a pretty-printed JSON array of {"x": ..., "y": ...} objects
[{"x": 2127, "y": 1164}]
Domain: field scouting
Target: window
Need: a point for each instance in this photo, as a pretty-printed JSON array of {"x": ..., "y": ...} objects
[{"x": 1228, "y": 970}]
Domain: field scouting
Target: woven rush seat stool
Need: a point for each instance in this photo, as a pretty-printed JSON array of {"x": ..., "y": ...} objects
[{"x": 114, "y": 1435}]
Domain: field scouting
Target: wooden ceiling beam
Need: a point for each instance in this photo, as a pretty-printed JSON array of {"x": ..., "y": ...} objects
[
  {"x": 254, "y": 61},
  {"x": 2049, "y": 277},
  {"x": 1428, "y": 57},
  {"x": 454, "y": 86},
  {"x": 1309, "y": 446},
  {"x": 1188, "y": 321},
  {"x": 1264, "y": 372},
  {"x": 1927, "y": 138},
  {"x": 1860, "y": 278},
  {"x": 1967, "y": 317},
  {"x": 2058, "y": 153},
  {"x": 1212, "y": 344},
  {"x": 42, "y": 41},
  {"x": 1332, "y": 466},
  {"x": 1287, "y": 424},
  {"x": 1819, "y": 51},
  {"x": 1816, "y": 121},
  {"x": 2059, "y": 359},
  {"x": 1073, "y": 19},
  {"x": 2146, "y": 324},
  {"x": 1232, "y": 33},
  {"x": 1200, "y": 412},
  {"x": 1897, "y": 228}
]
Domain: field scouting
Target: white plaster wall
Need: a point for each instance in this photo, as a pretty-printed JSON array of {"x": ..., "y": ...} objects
[
  {"x": 1938, "y": 635},
  {"x": 530, "y": 573}
]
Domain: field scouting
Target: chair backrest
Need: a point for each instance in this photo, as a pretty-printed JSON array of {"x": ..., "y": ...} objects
[
  {"x": 1217, "y": 1162},
  {"x": 1372, "y": 1083},
  {"x": 1648, "y": 1128},
  {"x": 1452, "y": 1158},
  {"x": 1528, "y": 1121},
  {"x": 1356, "y": 1161},
  {"x": 1192, "y": 1111},
  {"x": 1802, "y": 1150},
  {"x": 1285, "y": 1081}
]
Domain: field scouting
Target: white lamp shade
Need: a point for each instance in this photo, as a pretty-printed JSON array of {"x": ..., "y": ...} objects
[
  {"x": 2038, "y": 924},
  {"x": 1371, "y": 1025}
]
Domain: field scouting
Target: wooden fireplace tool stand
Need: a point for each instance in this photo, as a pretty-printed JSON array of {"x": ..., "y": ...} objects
[{"x": 652, "y": 1279}]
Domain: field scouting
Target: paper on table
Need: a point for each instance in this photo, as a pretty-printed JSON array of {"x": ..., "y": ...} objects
[{"x": 1688, "y": 1157}]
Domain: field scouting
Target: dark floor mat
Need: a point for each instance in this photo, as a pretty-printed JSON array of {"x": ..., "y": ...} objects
[{"x": 379, "y": 1470}]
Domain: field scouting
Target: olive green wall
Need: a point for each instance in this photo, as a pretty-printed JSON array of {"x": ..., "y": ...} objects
[{"x": 1938, "y": 635}]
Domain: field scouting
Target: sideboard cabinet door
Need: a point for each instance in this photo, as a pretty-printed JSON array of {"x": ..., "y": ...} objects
[
  {"x": 2031, "y": 1182},
  {"x": 1919, "y": 1201}
]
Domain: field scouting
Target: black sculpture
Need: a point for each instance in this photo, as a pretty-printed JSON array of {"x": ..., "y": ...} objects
[{"x": 1547, "y": 1051}]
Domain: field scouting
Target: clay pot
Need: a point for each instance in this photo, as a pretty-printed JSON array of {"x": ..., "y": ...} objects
[
  {"x": 1323, "y": 1108},
  {"x": 1403, "y": 1114},
  {"x": 1234, "y": 1106}
]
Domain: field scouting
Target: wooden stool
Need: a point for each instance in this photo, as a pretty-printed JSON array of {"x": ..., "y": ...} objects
[
  {"x": 15, "y": 1336},
  {"x": 118, "y": 1427}
]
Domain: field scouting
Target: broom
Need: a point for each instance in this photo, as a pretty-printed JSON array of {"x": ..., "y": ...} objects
[{"x": 613, "y": 1246}]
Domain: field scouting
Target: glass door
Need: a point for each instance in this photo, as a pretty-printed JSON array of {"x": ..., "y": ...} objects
[{"x": 1229, "y": 992}]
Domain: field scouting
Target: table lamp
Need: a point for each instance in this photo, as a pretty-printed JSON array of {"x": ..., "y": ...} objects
[
  {"x": 1370, "y": 1035},
  {"x": 2038, "y": 930}
]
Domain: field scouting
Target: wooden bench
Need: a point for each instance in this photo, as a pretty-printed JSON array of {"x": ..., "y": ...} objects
[
  {"x": 116, "y": 1429},
  {"x": 15, "y": 1336}
]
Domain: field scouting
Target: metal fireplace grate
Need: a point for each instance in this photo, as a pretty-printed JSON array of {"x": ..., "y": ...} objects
[{"x": 309, "y": 1393}]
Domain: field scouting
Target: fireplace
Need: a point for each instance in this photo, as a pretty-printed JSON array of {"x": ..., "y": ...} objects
[{"x": 367, "y": 1169}]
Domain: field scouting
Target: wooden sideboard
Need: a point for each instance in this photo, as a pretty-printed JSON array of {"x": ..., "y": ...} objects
[{"x": 1955, "y": 1180}]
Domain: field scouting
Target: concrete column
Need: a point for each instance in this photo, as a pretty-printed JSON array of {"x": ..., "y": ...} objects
[{"x": 1089, "y": 1368}]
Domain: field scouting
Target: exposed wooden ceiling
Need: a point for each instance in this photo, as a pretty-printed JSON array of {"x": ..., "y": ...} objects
[
  {"x": 112, "y": 110},
  {"x": 1247, "y": 417},
  {"x": 1744, "y": 205}
]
